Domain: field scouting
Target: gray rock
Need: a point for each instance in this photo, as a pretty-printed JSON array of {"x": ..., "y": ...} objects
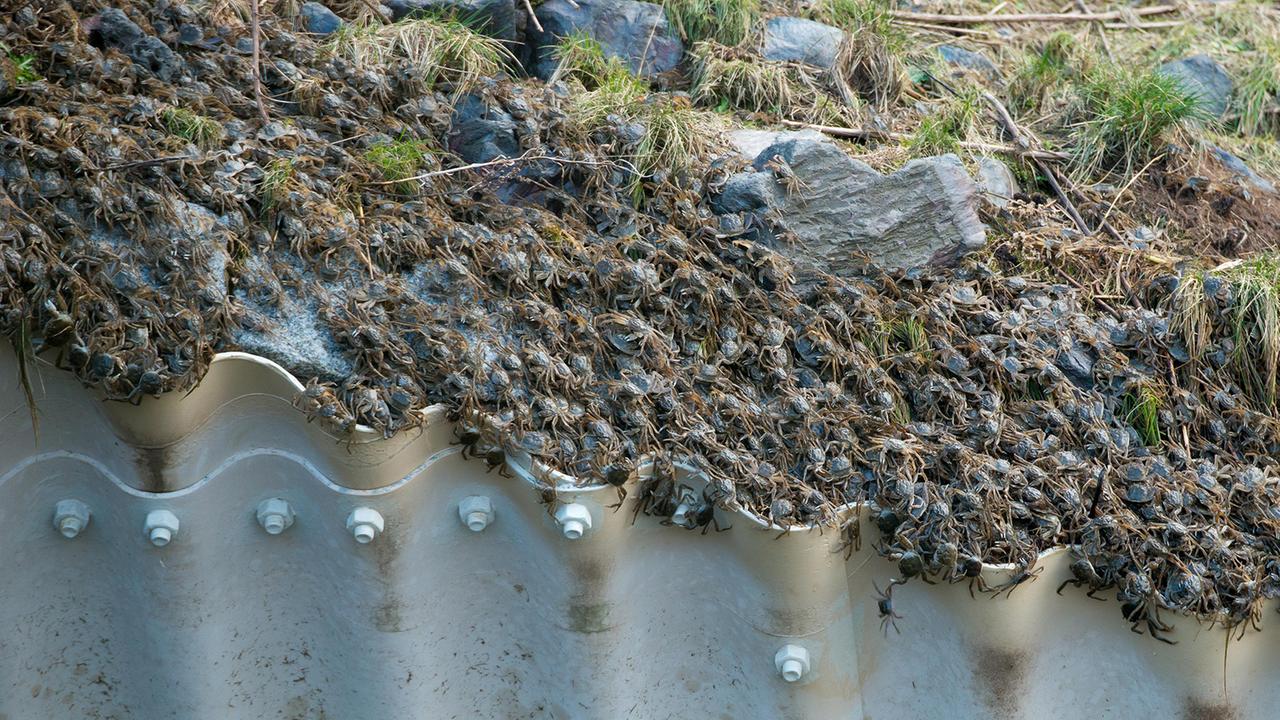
[
  {"x": 496, "y": 18},
  {"x": 1242, "y": 170},
  {"x": 637, "y": 32},
  {"x": 746, "y": 192},
  {"x": 922, "y": 214},
  {"x": 113, "y": 29},
  {"x": 806, "y": 41},
  {"x": 996, "y": 182},
  {"x": 749, "y": 143},
  {"x": 281, "y": 324},
  {"x": 969, "y": 60},
  {"x": 196, "y": 234},
  {"x": 1204, "y": 78},
  {"x": 481, "y": 132},
  {"x": 318, "y": 19}
]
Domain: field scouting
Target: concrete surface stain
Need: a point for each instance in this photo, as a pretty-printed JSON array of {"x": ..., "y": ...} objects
[
  {"x": 153, "y": 464},
  {"x": 589, "y": 618},
  {"x": 388, "y": 615},
  {"x": 1001, "y": 674},
  {"x": 1196, "y": 709},
  {"x": 784, "y": 621}
]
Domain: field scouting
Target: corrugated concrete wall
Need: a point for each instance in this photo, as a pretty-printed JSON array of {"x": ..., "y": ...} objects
[{"x": 433, "y": 620}]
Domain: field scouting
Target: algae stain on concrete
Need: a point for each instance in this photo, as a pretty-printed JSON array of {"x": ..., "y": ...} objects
[
  {"x": 1001, "y": 673},
  {"x": 589, "y": 618}
]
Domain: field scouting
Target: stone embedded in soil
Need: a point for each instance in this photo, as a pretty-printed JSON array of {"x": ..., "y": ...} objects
[
  {"x": 920, "y": 215},
  {"x": 283, "y": 325},
  {"x": 637, "y": 32},
  {"x": 801, "y": 40},
  {"x": 196, "y": 235},
  {"x": 1204, "y": 78},
  {"x": 318, "y": 19},
  {"x": 496, "y": 18},
  {"x": 969, "y": 60},
  {"x": 996, "y": 182},
  {"x": 750, "y": 142},
  {"x": 113, "y": 29},
  {"x": 1242, "y": 170},
  {"x": 482, "y": 131}
]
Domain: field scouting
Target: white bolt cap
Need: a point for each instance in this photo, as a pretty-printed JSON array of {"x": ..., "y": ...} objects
[
  {"x": 275, "y": 515},
  {"x": 574, "y": 519},
  {"x": 365, "y": 523},
  {"x": 476, "y": 512},
  {"x": 792, "y": 661},
  {"x": 70, "y": 517},
  {"x": 160, "y": 527}
]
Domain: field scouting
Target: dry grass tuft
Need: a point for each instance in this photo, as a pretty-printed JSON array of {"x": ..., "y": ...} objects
[
  {"x": 675, "y": 137},
  {"x": 205, "y": 133},
  {"x": 438, "y": 50},
  {"x": 731, "y": 78},
  {"x": 728, "y": 22}
]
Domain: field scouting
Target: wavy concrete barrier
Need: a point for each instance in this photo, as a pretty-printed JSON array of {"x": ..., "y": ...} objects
[{"x": 433, "y": 620}]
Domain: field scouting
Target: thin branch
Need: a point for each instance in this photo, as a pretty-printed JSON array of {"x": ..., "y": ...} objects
[
  {"x": 141, "y": 163},
  {"x": 1006, "y": 120},
  {"x": 255, "y": 20},
  {"x": 861, "y": 134},
  {"x": 1032, "y": 17},
  {"x": 943, "y": 29},
  {"x": 500, "y": 162},
  {"x": 1102, "y": 30},
  {"x": 528, "y": 8},
  {"x": 1145, "y": 25}
]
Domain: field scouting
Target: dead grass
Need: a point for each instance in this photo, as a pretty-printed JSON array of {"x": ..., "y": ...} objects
[
  {"x": 438, "y": 50},
  {"x": 728, "y": 22},
  {"x": 675, "y": 134},
  {"x": 728, "y": 78},
  {"x": 871, "y": 57}
]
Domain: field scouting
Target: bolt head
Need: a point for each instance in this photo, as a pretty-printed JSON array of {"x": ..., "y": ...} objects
[
  {"x": 792, "y": 662},
  {"x": 160, "y": 527},
  {"x": 365, "y": 523},
  {"x": 574, "y": 519},
  {"x": 160, "y": 536},
  {"x": 70, "y": 517},
  {"x": 275, "y": 515},
  {"x": 476, "y": 512}
]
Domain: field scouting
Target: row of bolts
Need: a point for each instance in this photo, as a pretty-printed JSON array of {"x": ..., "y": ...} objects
[{"x": 275, "y": 515}]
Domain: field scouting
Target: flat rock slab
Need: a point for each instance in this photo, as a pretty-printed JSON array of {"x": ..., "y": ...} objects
[
  {"x": 284, "y": 325},
  {"x": 969, "y": 60},
  {"x": 750, "y": 143},
  {"x": 637, "y": 32},
  {"x": 801, "y": 40},
  {"x": 923, "y": 214},
  {"x": 996, "y": 182},
  {"x": 1204, "y": 78},
  {"x": 495, "y": 18},
  {"x": 1242, "y": 170}
]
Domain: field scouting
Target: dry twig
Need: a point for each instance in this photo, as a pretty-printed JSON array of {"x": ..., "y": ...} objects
[
  {"x": 1032, "y": 17},
  {"x": 255, "y": 21},
  {"x": 863, "y": 134}
]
